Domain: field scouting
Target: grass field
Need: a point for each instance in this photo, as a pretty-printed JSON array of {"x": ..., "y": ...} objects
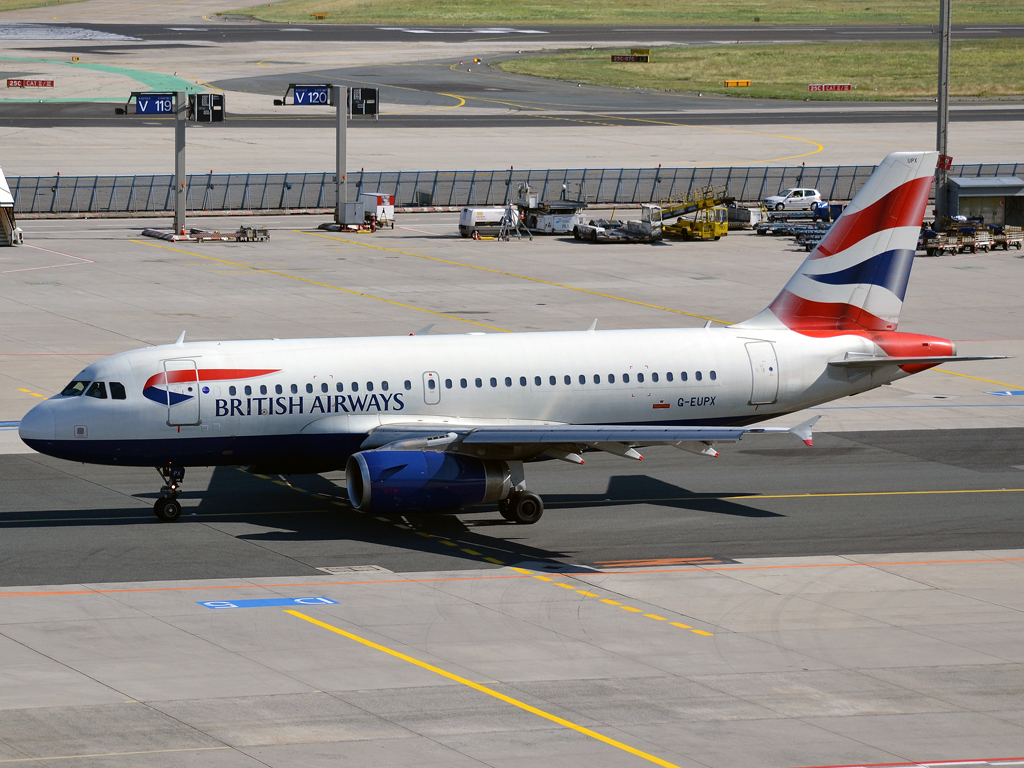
[
  {"x": 634, "y": 12},
  {"x": 14, "y": 5},
  {"x": 880, "y": 71}
]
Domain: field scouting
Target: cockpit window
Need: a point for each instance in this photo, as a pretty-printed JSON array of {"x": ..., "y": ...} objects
[
  {"x": 97, "y": 390},
  {"x": 117, "y": 391},
  {"x": 74, "y": 389}
]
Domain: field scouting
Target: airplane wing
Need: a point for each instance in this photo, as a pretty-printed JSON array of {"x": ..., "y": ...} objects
[{"x": 566, "y": 441}]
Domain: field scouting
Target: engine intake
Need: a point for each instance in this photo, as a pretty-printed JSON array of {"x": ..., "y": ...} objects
[{"x": 428, "y": 481}]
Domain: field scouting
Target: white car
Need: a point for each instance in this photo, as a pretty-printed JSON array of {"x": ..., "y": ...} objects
[{"x": 793, "y": 200}]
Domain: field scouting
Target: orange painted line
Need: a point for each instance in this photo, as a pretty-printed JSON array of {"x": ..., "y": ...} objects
[{"x": 252, "y": 586}]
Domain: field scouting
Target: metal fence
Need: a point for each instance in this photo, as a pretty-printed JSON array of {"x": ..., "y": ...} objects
[{"x": 272, "y": 192}]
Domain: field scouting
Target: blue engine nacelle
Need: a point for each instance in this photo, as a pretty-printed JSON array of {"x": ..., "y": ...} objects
[{"x": 423, "y": 480}]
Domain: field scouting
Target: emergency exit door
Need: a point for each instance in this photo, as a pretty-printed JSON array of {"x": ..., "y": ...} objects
[
  {"x": 764, "y": 367},
  {"x": 431, "y": 388},
  {"x": 182, "y": 386}
]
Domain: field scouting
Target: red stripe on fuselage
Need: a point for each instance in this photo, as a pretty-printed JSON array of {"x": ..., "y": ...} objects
[
  {"x": 903, "y": 207},
  {"x": 896, "y": 344},
  {"x": 207, "y": 374}
]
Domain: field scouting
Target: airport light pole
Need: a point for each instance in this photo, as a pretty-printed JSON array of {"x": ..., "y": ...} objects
[
  {"x": 338, "y": 94},
  {"x": 180, "y": 119},
  {"x": 942, "y": 142}
]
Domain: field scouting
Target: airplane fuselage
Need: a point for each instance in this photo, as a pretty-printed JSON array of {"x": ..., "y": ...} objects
[{"x": 306, "y": 405}]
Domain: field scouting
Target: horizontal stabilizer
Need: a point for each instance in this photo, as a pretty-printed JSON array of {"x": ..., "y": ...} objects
[{"x": 878, "y": 362}]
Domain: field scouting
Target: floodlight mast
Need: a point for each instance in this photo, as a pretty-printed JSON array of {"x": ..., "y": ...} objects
[{"x": 942, "y": 142}]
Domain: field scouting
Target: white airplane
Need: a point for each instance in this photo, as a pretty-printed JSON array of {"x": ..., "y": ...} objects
[{"x": 438, "y": 422}]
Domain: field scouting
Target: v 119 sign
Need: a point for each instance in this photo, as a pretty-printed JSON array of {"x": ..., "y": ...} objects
[
  {"x": 306, "y": 95},
  {"x": 154, "y": 104}
]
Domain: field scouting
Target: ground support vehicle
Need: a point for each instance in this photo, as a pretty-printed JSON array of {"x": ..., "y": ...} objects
[
  {"x": 937, "y": 243},
  {"x": 973, "y": 239},
  {"x": 645, "y": 230},
  {"x": 701, "y": 215},
  {"x": 482, "y": 222},
  {"x": 554, "y": 218},
  {"x": 1007, "y": 237}
]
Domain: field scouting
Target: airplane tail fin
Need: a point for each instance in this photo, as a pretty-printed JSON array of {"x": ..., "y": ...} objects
[{"x": 856, "y": 278}]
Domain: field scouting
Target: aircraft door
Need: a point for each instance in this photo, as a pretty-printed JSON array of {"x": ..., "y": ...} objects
[
  {"x": 431, "y": 388},
  {"x": 764, "y": 367},
  {"x": 182, "y": 383}
]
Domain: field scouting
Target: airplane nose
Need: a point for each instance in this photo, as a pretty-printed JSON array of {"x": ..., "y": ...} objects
[{"x": 38, "y": 424}]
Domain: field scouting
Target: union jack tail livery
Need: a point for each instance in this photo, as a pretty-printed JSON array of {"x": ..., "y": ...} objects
[{"x": 856, "y": 278}]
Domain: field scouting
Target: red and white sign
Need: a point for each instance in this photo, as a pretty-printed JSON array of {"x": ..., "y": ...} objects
[
  {"x": 30, "y": 83},
  {"x": 820, "y": 87},
  {"x": 945, "y": 163}
]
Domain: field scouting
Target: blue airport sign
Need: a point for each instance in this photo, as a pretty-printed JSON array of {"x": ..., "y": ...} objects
[
  {"x": 154, "y": 104},
  {"x": 306, "y": 95}
]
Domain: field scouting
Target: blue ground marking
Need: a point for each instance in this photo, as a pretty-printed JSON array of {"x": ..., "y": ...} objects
[
  {"x": 275, "y": 601},
  {"x": 1007, "y": 393}
]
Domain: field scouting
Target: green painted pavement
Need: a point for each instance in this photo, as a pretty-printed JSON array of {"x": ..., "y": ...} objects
[{"x": 154, "y": 81}]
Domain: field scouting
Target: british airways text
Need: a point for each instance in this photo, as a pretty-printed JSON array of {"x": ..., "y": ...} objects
[{"x": 270, "y": 406}]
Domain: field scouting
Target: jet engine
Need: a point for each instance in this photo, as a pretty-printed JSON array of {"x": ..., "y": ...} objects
[{"x": 428, "y": 481}]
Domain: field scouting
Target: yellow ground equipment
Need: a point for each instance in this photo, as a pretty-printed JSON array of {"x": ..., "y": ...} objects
[{"x": 701, "y": 215}]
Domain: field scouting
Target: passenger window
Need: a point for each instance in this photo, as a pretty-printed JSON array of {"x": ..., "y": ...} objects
[
  {"x": 640, "y": 378},
  {"x": 263, "y": 389},
  {"x": 431, "y": 384},
  {"x": 278, "y": 389},
  {"x": 369, "y": 386},
  {"x": 567, "y": 379},
  {"x": 408, "y": 384},
  {"x": 583, "y": 379},
  {"x": 384, "y": 386},
  {"x": 340, "y": 387},
  {"x": 597, "y": 378},
  {"x": 494, "y": 382},
  {"x": 355, "y": 386},
  {"x": 714, "y": 375},
  {"x": 697, "y": 376},
  {"x": 447, "y": 383},
  {"x": 463, "y": 383},
  {"x": 522, "y": 381},
  {"x": 508, "y": 381},
  {"x": 682, "y": 376},
  {"x": 97, "y": 390},
  {"x": 668, "y": 376},
  {"x": 552, "y": 380},
  {"x": 309, "y": 389},
  {"x": 324, "y": 387},
  {"x": 117, "y": 391},
  {"x": 536, "y": 381},
  {"x": 248, "y": 389},
  {"x": 232, "y": 391},
  {"x": 625, "y": 378},
  {"x": 479, "y": 382},
  {"x": 295, "y": 389},
  {"x": 611, "y": 378},
  {"x": 74, "y": 389},
  {"x": 654, "y": 378}
]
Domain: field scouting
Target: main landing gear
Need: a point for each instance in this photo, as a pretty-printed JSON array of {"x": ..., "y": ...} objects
[
  {"x": 523, "y": 507},
  {"x": 167, "y": 507}
]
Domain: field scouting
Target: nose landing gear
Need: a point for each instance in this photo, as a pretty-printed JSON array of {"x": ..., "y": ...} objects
[{"x": 167, "y": 507}]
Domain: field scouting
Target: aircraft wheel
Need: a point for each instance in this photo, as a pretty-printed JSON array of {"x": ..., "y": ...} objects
[
  {"x": 527, "y": 508},
  {"x": 167, "y": 510},
  {"x": 505, "y": 509}
]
